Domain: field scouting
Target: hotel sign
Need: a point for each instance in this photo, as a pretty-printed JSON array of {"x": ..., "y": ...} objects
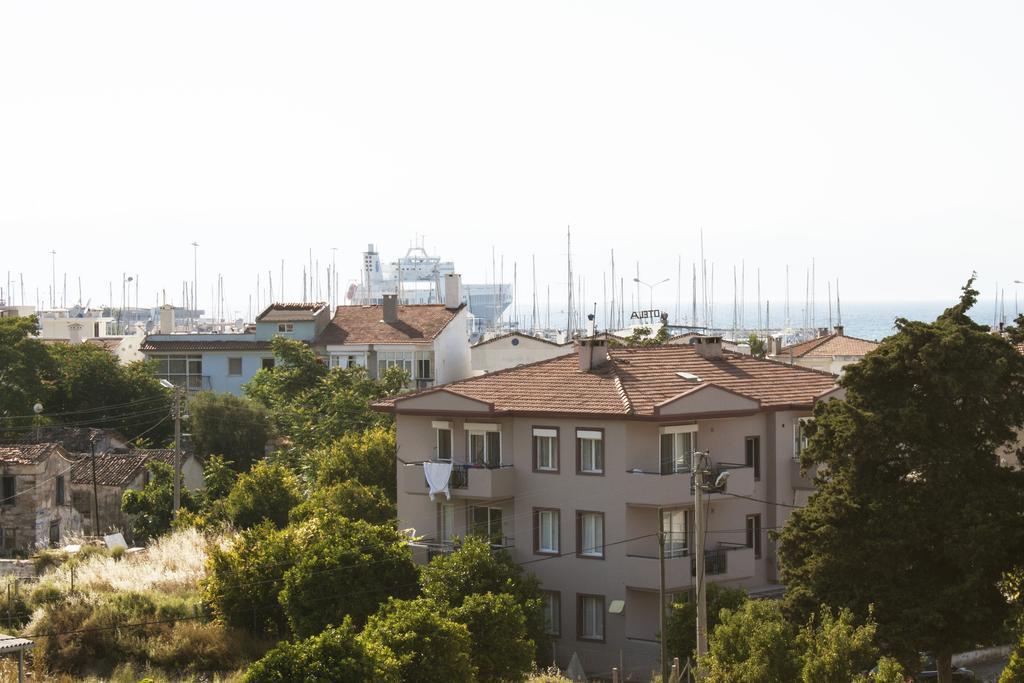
[{"x": 650, "y": 314}]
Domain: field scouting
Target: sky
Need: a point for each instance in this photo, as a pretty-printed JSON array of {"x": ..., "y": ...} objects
[{"x": 882, "y": 140}]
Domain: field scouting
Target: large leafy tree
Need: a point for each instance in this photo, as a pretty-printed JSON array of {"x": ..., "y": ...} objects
[
  {"x": 151, "y": 509},
  {"x": 681, "y": 624},
  {"x": 128, "y": 398},
  {"x": 228, "y": 425},
  {"x": 311, "y": 405},
  {"x": 24, "y": 367},
  {"x": 501, "y": 650},
  {"x": 266, "y": 492},
  {"x": 367, "y": 457},
  {"x": 913, "y": 512}
]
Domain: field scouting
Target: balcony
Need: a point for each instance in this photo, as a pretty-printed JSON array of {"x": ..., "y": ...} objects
[
  {"x": 426, "y": 550},
  {"x": 654, "y": 488},
  {"x": 724, "y": 562},
  {"x": 467, "y": 481}
]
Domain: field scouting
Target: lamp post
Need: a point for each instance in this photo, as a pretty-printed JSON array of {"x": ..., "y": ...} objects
[
  {"x": 177, "y": 442},
  {"x": 650, "y": 287}
]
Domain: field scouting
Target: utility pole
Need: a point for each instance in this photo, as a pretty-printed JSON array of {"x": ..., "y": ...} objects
[
  {"x": 177, "y": 449},
  {"x": 661, "y": 599},
  {"x": 700, "y": 524},
  {"x": 95, "y": 495}
]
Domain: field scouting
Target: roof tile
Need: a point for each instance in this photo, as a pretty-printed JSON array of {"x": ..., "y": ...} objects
[{"x": 417, "y": 324}]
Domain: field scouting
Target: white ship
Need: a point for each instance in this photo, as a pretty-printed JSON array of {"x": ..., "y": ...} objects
[{"x": 417, "y": 279}]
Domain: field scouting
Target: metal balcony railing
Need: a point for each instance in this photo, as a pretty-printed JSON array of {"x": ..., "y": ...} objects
[{"x": 716, "y": 561}]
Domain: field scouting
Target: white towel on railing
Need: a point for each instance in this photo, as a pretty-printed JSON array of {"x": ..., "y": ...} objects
[{"x": 438, "y": 475}]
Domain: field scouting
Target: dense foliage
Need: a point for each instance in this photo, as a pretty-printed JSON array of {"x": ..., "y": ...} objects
[
  {"x": 152, "y": 509},
  {"x": 25, "y": 365},
  {"x": 267, "y": 491},
  {"x": 227, "y": 425},
  {"x": 501, "y": 650},
  {"x": 334, "y": 656},
  {"x": 911, "y": 475},
  {"x": 350, "y": 499},
  {"x": 429, "y": 646},
  {"x": 681, "y": 623},
  {"x": 367, "y": 456}
]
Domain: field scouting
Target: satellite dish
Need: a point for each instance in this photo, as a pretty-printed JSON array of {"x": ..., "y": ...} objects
[
  {"x": 37, "y": 408},
  {"x": 722, "y": 479}
]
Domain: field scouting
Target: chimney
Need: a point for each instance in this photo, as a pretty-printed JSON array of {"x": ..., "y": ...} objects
[
  {"x": 75, "y": 333},
  {"x": 592, "y": 353},
  {"x": 452, "y": 291},
  {"x": 839, "y": 330},
  {"x": 707, "y": 347},
  {"x": 166, "y": 319},
  {"x": 391, "y": 308}
]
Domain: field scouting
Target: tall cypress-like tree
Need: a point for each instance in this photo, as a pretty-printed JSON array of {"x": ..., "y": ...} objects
[{"x": 914, "y": 512}]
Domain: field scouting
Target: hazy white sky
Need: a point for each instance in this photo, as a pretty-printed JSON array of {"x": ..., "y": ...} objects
[{"x": 883, "y": 139}]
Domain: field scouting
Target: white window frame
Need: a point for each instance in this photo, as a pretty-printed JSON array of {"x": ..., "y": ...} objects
[
  {"x": 548, "y": 436},
  {"x": 677, "y": 541},
  {"x": 443, "y": 427},
  {"x": 482, "y": 430},
  {"x": 285, "y": 327},
  {"x": 446, "y": 522},
  {"x": 682, "y": 461},
  {"x": 403, "y": 359},
  {"x": 594, "y": 546},
  {"x": 553, "y": 518},
  {"x": 591, "y": 438},
  {"x": 592, "y": 617}
]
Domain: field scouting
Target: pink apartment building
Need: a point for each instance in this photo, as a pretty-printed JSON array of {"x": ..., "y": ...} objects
[{"x": 574, "y": 464}]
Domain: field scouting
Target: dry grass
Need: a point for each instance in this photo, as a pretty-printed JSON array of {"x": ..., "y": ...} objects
[{"x": 173, "y": 564}]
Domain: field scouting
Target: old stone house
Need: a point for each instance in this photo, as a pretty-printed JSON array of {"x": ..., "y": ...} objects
[
  {"x": 116, "y": 472},
  {"x": 35, "y": 500}
]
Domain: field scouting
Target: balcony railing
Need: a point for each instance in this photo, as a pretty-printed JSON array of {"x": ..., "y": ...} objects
[
  {"x": 716, "y": 561},
  {"x": 438, "y": 548}
]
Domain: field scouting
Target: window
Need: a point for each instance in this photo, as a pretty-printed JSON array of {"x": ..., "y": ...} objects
[
  {"x": 267, "y": 363},
  {"x": 446, "y": 522},
  {"x": 444, "y": 443},
  {"x": 545, "y": 449},
  {"x": 55, "y": 533},
  {"x": 590, "y": 451},
  {"x": 486, "y": 522},
  {"x": 9, "y": 491},
  {"x": 675, "y": 524},
  {"x": 545, "y": 531},
  {"x": 552, "y": 612},
  {"x": 677, "y": 447},
  {"x": 234, "y": 366},
  {"x": 590, "y": 617},
  {"x": 754, "y": 534},
  {"x": 484, "y": 445},
  {"x": 10, "y": 539},
  {"x": 590, "y": 534},
  {"x": 181, "y": 370},
  {"x": 387, "y": 359},
  {"x": 800, "y": 435},
  {"x": 285, "y": 327},
  {"x": 423, "y": 369},
  {"x": 60, "y": 489},
  {"x": 754, "y": 455}
]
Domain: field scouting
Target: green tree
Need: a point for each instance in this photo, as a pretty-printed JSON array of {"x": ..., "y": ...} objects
[
  {"x": 915, "y": 515},
  {"x": 244, "y": 578},
  {"x": 753, "y": 644},
  {"x": 681, "y": 624},
  {"x": 1014, "y": 671},
  {"x": 228, "y": 425},
  {"x": 429, "y": 646},
  {"x": 1015, "y": 332},
  {"x": 477, "y": 569},
  {"x": 366, "y": 456},
  {"x": 641, "y": 336},
  {"x": 152, "y": 509},
  {"x": 758, "y": 347},
  {"x": 218, "y": 477},
  {"x": 335, "y": 656},
  {"x": 267, "y": 491},
  {"x": 501, "y": 650},
  {"x": 834, "y": 649},
  {"x": 889, "y": 670},
  {"x": 342, "y": 568},
  {"x": 25, "y": 365},
  {"x": 348, "y": 499},
  {"x": 127, "y": 398}
]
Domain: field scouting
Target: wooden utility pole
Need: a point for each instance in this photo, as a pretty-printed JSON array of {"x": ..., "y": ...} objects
[
  {"x": 95, "y": 496},
  {"x": 177, "y": 449},
  {"x": 661, "y": 599}
]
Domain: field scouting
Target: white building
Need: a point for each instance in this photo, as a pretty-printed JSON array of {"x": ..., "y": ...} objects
[{"x": 512, "y": 349}]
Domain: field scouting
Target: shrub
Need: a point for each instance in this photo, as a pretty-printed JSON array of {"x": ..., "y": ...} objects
[
  {"x": 753, "y": 643},
  {"x": 45, "y": 593},
  {"x": 349, "y": 499},
  {"x": 834, "y": 649},
  {"x": 476, "y": 568},
  {"x": 234, "y": 427},
  {"x": 343, "y": 567},
  {"x": 244, "y": 579},
  {"x": 151, "y": 509},
  {"x": 14, "y": 610},
  {"x": 367, "y": 457},
  {"x": 429, "y": 646},
  {"x": 45, "y": 560},
  {"x": 500, "y": 649},
  {"x": 192, "y": 646},
  {"x": 266, "y": 492},
  {"x": 681, "y": 624},
  {"x": 336, "y": 655}
]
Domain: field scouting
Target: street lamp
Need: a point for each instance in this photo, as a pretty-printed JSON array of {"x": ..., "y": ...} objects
[{"x": 650, "y": 287}]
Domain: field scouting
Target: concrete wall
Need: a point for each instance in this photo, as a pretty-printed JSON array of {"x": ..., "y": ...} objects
[
  {"x": 511, "y": 351},
  {"x": 215, "y": 366},
  {"x": 36, "y": 505},
  {"x": 451, "y": 351},
  {"x": 630, "y": 503},
  {"x": 303, "y": 330}
]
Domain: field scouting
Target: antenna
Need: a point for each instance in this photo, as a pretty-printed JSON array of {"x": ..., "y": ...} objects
[
  {"x": 830, "y": 305},
  {"x": 839, "y": 306}
]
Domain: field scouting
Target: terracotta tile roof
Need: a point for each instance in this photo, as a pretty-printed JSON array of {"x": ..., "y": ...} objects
[
  {"x": 633, "y": 382},
  {"x": 116, "y": 468},
  {"x": 521, "y": 335},
  {"x": 830, "y": 345},
  {"x": 192, "y": 345},
  {"x": 73, "y": 439},
  {"x": 290, "y": 312},
  {"x": 417, "y": 324},
  {"x": 28, "y": 454}
]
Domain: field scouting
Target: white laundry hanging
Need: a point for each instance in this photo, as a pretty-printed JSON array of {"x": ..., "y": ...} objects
[{"x": 438, "y": 475}]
